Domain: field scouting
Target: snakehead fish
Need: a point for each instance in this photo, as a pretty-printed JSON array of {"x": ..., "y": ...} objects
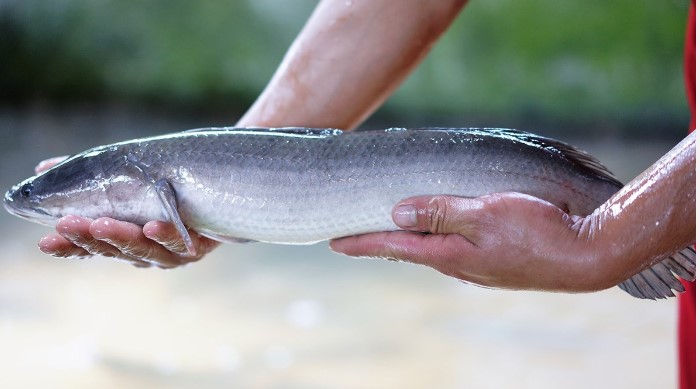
[{"x": 300, "y": 186}]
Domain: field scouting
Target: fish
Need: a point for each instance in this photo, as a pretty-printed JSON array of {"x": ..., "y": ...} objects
[{"x": 304, "y": 185}]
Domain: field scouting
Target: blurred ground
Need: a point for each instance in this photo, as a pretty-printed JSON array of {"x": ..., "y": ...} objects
[{"x": 261, "y": 315}]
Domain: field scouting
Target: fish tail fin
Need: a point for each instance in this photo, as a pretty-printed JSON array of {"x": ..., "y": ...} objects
[{"x": 661, "y": 280}]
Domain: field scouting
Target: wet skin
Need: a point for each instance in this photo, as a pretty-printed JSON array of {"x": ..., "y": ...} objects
[
  {"x": 518, "y": 242},
  {"x": 504, "y": 240}
]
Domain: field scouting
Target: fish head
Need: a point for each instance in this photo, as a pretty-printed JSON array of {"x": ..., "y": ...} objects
[
  {"x": 92, "y": 184},
  {"x": 21, "y": 201}
]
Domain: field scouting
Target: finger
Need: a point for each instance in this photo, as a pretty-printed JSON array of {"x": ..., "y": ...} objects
[
  {"x": 129, "y": 239},
  {"x": 438, "y": 214},
  {"x": 76, "y": 230},
  {"x": 58, "y": 246},
  {"x": 48, "y": 164},
  {"x": 439, "y": 251},
  {"x": 167, "y": 236}
]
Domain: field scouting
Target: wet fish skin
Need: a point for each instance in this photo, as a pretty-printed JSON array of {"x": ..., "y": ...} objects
[
  {"x": 299, "y": 186},
  {"x": 281, "y": 186}
]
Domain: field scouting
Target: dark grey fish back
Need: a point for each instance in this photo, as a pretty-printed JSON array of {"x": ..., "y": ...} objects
[{"x": 327, "y": 156}]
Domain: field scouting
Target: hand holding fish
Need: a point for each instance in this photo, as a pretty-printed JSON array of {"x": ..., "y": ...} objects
[
  {"x": 515, "y": 241},
  {"x": 157, "y": 243},
  {"x": 283, "y": 185},
  {"x": 289, "y": 99},
  {"x": 505, "y": 240}
]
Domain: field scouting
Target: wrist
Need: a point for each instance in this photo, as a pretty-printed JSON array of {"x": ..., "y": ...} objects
[{"x": 602, "y": 257}]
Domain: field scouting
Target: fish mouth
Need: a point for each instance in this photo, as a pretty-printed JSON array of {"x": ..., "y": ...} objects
[{"x": 32, "y": 214}]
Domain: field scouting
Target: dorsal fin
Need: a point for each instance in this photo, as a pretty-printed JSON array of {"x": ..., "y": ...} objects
[
  {"x": 579, "y": 157},
  {"x": 575, "y": 155},
  {"x": 321, "y": 132}
]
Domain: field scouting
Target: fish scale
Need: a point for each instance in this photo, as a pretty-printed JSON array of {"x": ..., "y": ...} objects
[{"x": 300, "y": 186}]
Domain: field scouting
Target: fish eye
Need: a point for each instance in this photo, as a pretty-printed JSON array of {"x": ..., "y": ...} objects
[{"x": 26, "y": 190}]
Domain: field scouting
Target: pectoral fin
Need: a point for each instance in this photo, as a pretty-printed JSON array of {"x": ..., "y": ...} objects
[
  {"x": 661, "y": 280},
  {"x": 166, "y": 194}
]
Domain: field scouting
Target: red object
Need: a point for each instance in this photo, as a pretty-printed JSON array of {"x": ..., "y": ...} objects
[
  {"x": 689, "y": 64},
  {"x": 686, "y": 301},
  {"x": 686, "y": 337}
]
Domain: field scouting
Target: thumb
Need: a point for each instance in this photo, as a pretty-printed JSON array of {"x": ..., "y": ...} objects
[{"x": 438, "y": 214}]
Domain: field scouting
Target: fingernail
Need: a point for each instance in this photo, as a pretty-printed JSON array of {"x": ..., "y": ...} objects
[
  {"x": 106, "y": 240},
  {"x": 405, "y": 216},
  {"x": 69, "y": 235}
]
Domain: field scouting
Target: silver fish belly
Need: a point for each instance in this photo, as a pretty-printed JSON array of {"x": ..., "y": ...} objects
[{"x": 299, "y": 186}]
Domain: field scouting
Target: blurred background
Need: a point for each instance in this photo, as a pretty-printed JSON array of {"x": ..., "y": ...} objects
[{"x": 605, "y": 76}]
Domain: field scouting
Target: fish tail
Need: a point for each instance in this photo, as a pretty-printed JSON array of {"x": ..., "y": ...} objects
[{"x": 662, "y": 280}]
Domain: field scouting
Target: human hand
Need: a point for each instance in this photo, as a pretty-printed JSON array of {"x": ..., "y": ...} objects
[
  {"x": 157, "y": 243},
  {"x": 507, "y": 240}
]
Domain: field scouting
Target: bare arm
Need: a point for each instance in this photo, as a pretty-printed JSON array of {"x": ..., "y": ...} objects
[
  {"x": 341, "y": 67},
  {"x": 651, "y": 218},
  {"x": 348, "y": 59},
  {"x": 515, "y": 241}
]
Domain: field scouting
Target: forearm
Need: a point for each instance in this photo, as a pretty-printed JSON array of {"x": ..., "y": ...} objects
[
  {"x": 650, "y": 218},
  {"x": 348, "y": 59}
]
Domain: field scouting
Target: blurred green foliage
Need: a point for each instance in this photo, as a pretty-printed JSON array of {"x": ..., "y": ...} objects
[
  {"x": 175, "y": 51},
  {"x": 565, "y": 61}
]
